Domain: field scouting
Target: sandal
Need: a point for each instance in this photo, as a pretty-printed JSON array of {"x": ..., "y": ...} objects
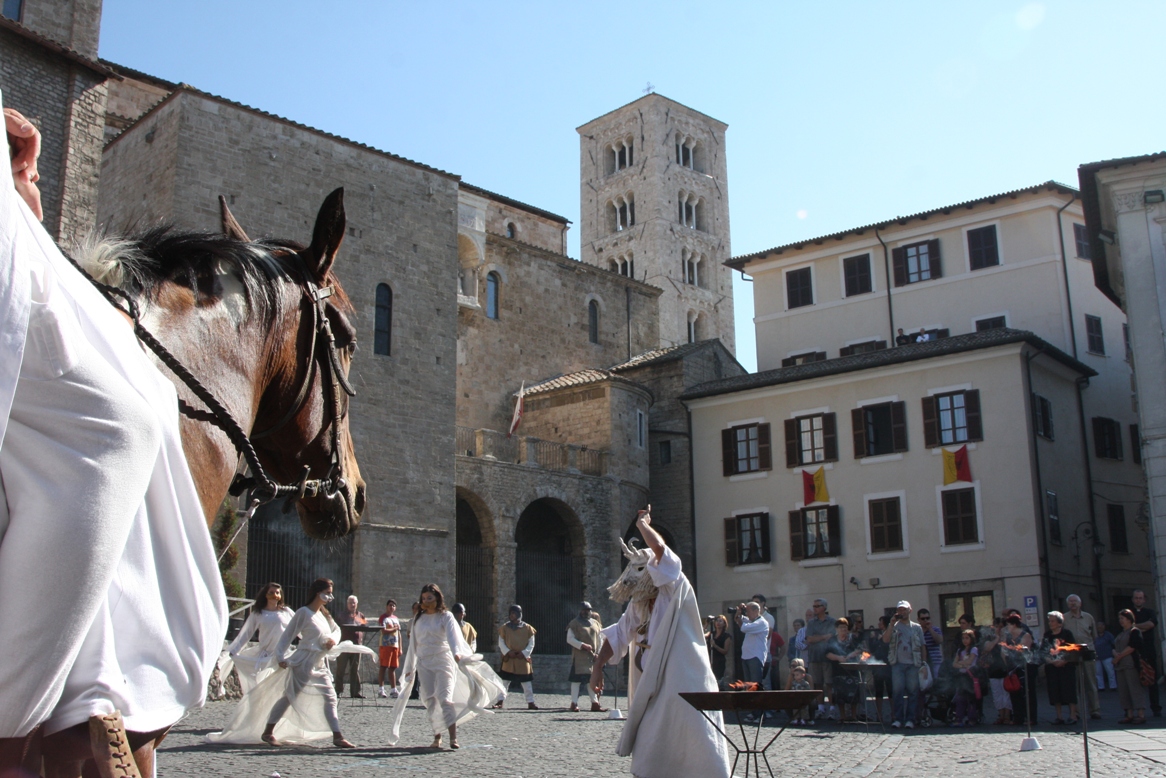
[
  {"x": 341, "y": 742},
  {"x": 453, "y": 744},
  {"x": 270, "y": 740}
]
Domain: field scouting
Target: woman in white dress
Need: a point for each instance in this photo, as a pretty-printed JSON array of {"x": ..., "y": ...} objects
[
  {"x": 255, "y": 661},
  {"x": 455, "y": 684},
  {"x": 298, "y": 700}
]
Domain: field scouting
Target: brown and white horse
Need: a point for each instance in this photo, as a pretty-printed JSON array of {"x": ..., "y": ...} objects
[{"x": 245, "y": 318}]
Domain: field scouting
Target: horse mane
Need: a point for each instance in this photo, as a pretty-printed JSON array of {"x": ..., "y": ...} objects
[{"x": 143, "y": 262}]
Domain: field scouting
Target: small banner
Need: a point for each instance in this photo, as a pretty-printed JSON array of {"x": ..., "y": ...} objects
[
  {"x": 955, "y": 466},
  {"x": 814, "y": 486}
]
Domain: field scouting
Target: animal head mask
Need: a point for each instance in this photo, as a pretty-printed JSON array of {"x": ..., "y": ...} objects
[{"x": 634, "y": 583}]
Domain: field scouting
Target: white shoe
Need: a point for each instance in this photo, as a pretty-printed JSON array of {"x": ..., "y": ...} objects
[
  {"x": 382, "y": 693},
  {"x": 910, "y": 725},
  {"x": 394, "y": 694},
  {"x": 896, "y": 724}
]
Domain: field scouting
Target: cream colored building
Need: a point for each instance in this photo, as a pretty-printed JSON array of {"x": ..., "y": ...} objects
[{"x": 991, "y": 282}]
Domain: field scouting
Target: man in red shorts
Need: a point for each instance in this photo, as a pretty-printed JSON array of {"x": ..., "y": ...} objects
[{"x": 390, "y": 649}]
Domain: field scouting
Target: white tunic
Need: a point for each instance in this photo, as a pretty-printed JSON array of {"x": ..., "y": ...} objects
[
  {"x": 255, "y": 661},
  {"x": 99, "y": 515}
]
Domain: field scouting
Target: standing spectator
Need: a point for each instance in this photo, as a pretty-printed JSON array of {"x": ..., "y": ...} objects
[
  {"x": 1146, "y": 620},
  {"x": 819, "y": 633},
  {"x": 1017, "y": 635},
  {"x": 902, "y": 339},
  {"x": 349, "y": 664},
  {"x": 845, "y": 647},
  {"x": 1084, "y": 629},
  {"x": 775, "y": 644},
  {"x": 585, "y": 637},
  {"x": 755, "y": 645},
  {"x": 721, "y": 643},
  {"x": 992, "y": 660},
  {"x": 922, "y": 337},
  {"x": 797, "y": 644},
  {"x": 1126, "y": 651},
  {"x": 389, "y": 657},
  {"x": 468, "y": 632},
  {"x": 932, "y": 641},
  {"x": 905, "y": 638},
  {"x": 1103, "y": 645},
  {"x": 516, "y": 644},
  {"x": 964, "y": 664},
  {"x": 880, "y": 671},
  {"x": 1060, "y": 676}
]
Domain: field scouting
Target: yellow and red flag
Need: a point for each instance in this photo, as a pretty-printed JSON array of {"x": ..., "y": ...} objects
[
  {"x": 955, "y": 466},
  {"x": 814, "y": 486}
]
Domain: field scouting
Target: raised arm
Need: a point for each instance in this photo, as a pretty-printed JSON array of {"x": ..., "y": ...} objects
[{"x": 650, "y": 536}]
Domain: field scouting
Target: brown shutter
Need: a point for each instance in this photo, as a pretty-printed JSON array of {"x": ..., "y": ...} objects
[
  {"x": 797, "y": 534},
  {"x": 728, "y": 452},
  {"x": 899, "y": 426},
  {"x": 1036, "y": 414},
  {"x": 766, "y": 555},
  {"x": 930, "y": 423},
  {"x": 972, "y": 411},
  {"x": 791, "y": 443},
  {"x": 933, "y": 258},
  {"x": 1135, "y": 444},
  {"x": 1097, "y": 436},
  {"x": 765, "y": 458},
  {"x": 899, "y": 263},
  {"x": 834, "y": 528},
  {"x": 859, "y": 426},
  {"x": 845, "y": 351},
  {"x": 789, "y": 361},
  {"x": 820, "y": 356},
  {"x": 942, "y": 333},
  {"x": 880, "y": 345},
  {"x": 830, "y": 436},
  {"x": 731, "y": 558}
]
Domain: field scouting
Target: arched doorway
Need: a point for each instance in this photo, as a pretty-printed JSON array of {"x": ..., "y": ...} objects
[
  {"x": 475, "y": 571},
  {"x": 549, "y": 570}
]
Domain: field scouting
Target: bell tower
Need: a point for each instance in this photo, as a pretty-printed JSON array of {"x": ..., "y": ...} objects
[{"x": 655, "y": 206}]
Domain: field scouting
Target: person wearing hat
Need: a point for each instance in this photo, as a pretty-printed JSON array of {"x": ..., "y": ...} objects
[
  {"x": 905, "y": 657},
  {"x": 585, "y": 636},
  {"x": 516, "y": 644}
]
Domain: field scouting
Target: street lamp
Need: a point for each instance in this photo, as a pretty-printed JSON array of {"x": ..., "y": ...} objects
[{"x": 1084, "y": 531}]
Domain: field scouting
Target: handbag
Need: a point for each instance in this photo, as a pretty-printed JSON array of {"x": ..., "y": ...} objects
[
  {"x": 925, "y": 677},
  {"x": 976, "y": 688},
  {"x": 1146, "y": 672},
  {"x": 1012, "y": 682}
]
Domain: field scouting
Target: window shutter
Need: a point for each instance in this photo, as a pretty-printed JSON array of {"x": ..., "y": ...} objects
[
  {"x": 1098, "y": 435},
  {"x": 797, "y": 533},
  {"x": 845, "y": 351},
  {"x": 972, "y": 413},
  {"x": 934, "y": 259},
  {"x": 731, "y": 555},
  {"x": 791, "y": 443},
  {"x": 942, "y": 333},
  {"x": 830, "y": 436},
  {"x": 930, "y": 423},
  {"x": 789, "y": 361},
  {"x": 899, "y": 426},
  {"x": 859, "y": 425},
  {"x": 899, "y": 263},
  {"x": 1036, "y": 412},
  {"x": 1047, "y": 409},
  {"x": 1135, "y": 444},
  {"x": 728, "y": 452},
  {"x": 820, "y": 356},
  {"x": 766, "y": 555},
  {"x": 763, "y": 448},
  {"x": 834, "y": 528},
  {"x": 880, "y": 345}
]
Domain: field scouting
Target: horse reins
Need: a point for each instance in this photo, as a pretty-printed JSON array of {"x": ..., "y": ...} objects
[{"x": 263, "y": 487}]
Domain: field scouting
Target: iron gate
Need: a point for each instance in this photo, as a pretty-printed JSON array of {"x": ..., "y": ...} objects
[
  {"x": 475, "y": 590},
  {"x": 278, "y": 550},
  {"x": 549, "y": 588}
]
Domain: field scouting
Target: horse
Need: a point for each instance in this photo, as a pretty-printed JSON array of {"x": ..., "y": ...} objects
[{"x": 264, "y": 326}]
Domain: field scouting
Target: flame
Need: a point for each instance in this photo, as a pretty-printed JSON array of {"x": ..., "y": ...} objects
[
  {"x": 1011, "y": 647},
  {"x": 865, "y": 657},
  {"x": 1061, "y": 647},
  {"x": 742, "y": 686}
]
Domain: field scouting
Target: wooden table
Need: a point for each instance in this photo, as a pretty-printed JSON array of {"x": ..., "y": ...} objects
[{"x": 749, "y": 701}]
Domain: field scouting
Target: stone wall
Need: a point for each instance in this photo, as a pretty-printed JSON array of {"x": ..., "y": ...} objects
[{"x": 74, "y": 23}]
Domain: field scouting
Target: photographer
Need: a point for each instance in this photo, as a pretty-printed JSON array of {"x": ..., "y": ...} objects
[
  {"x": 905, "y": 657},
  {"x": 755, "y": 645}
]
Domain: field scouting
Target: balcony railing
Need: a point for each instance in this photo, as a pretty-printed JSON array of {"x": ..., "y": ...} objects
[{"x": 530, "y": 451}]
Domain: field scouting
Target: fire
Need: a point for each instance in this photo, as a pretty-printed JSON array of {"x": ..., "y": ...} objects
[
  {"x": 1011, "y": 647},
  {"x": 1066, "y": 647},
  {"x": 865, "y": 657},
  {"x": 742, "y": 686}
]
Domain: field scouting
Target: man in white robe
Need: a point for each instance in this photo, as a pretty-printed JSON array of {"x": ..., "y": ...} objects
[
  {"x": 99, "y": 516},
  {"x": 662, "y": 630}
]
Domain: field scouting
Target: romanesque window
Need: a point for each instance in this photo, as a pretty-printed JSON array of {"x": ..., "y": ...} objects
[
  {"x": 493, "y": 287},
  {"x": 620, "y": 155},
  {"x": 690, "y": 211},
  {"x": 687, "y": 152},
  {"x": 625, "y": 265},
  {"x": 511, "y": 230},
  {"x": 695, "y": 327},
  {"x": 593, "y": 321},
  {"x": 691, "y": 270},
  {"x": 621, "y": 212},
  {"x": 382, "y": 339}
]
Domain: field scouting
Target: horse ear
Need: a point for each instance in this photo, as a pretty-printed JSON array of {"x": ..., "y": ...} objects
[
  {"x": 231, "y": 227},
  {"x": 327, "y": 235}
]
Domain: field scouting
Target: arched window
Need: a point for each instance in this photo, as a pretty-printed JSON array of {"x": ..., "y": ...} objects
[
  {"x": 511, "y": 230},
  {"x": 593, "y": 321},
  {"x": 382, "y": 341},
  {"x": 493, "y": 282}
]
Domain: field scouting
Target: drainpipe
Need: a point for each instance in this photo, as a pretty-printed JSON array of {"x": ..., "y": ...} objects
[
  {"x": 1082, "y": 383},
  {"x": 692, "y": 497},
  {"x": 628, "y": 298},
  {"x": 1045, "y": 566},
  {"x": 890, "y": 282}
]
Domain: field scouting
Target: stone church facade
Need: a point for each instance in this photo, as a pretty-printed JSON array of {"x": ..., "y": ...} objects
[{"x": 462, "y": 297}]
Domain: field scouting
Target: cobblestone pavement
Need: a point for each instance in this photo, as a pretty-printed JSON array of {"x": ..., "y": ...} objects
[{"x": 553, "y": 742}]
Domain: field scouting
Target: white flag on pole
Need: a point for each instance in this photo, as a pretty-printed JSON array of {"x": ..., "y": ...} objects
[{"x": 517, "y": 418}]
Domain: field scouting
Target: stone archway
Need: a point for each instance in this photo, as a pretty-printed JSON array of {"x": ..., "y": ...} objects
[
  {"x": 549, "y": 570},
  {"x": 475, "y": 562}
]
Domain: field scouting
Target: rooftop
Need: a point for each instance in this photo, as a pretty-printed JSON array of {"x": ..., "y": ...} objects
[
  {"x": 59, "y": 48},
  {"x": 649, "y": 96},
  {"x": 738, "y": 263},
  {"x": 515, "y": 203},
  {"x": 891, "y": 356}
]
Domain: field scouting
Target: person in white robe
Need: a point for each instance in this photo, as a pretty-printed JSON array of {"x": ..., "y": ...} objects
[
  {"x": 662, "y": 630},
  {"x": 255, "y": 661},
  {"x": 297, "y": 702},
  {"x": 98, "y": 509},
  {"x": 455, "y": 684}
]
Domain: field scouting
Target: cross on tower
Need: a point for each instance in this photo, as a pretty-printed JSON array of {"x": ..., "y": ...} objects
[{"x": 649, "y": 89}]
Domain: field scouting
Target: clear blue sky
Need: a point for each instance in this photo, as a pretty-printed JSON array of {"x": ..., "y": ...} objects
[{"x": 839, "y": 114}]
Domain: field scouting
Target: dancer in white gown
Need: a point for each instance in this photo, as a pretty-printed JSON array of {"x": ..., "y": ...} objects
[
  {"x": 456, "y": 685},
  {"x": 298, "y": 700},
  {"x": 255, "y": 661}
]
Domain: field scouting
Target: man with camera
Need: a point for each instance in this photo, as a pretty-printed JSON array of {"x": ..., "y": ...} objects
[{"x": 905, "y": 657}]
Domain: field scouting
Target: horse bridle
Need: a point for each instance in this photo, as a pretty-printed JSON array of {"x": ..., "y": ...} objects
[{"x": 264, "y": 488}]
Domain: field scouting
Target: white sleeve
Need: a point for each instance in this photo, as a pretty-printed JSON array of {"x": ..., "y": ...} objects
[
  {"x": 474, "y": 646},
  {"x": 526, "y": 652},
  {"x": 453, "y": 633},
  {"x": 245, "y": 633},
  {"x": 665, "y": 571},
  {"x": 619, "y": 635},
  {"x": 283, "y": 648},
  {"x": 503, "y": 649},
  {"x": 573, "y": 641}
]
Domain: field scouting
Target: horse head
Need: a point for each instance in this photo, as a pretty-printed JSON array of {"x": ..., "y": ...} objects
[{"x": 635, "y": 581}]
